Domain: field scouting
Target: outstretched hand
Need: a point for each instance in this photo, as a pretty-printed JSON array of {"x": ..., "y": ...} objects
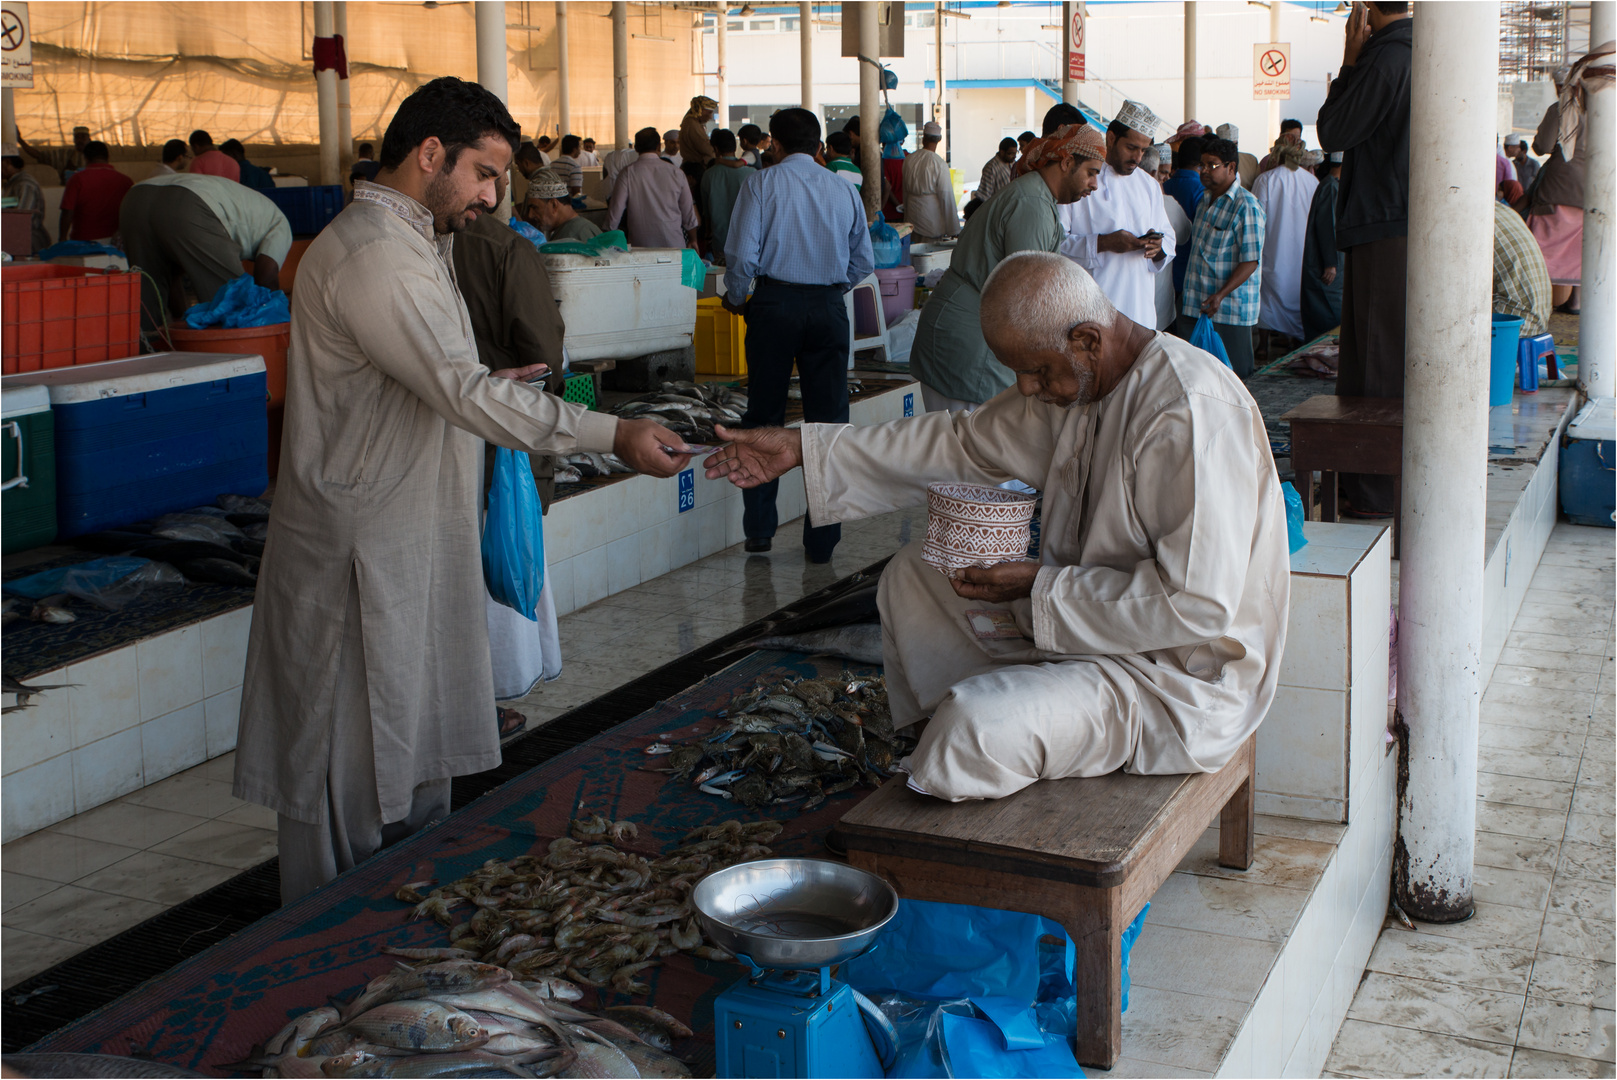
[
  {"x": 997, "y": 584},
  {"x": 639, "y": 444},
  {"x": 754, "y": 456}
]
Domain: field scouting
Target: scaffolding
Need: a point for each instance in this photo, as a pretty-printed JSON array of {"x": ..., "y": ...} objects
[{"x": 1532, "y": 39}]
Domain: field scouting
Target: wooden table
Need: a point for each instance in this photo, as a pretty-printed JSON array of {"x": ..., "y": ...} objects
[
  {"x": 1347, "y": 434},
  {"x": 1087, "y": 853}
]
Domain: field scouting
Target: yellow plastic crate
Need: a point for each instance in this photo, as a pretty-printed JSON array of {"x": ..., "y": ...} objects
[{"x": 721, "y": 339}]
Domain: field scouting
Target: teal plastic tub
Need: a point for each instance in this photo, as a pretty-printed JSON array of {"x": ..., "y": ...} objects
[{"x": 1507, "y": 333}]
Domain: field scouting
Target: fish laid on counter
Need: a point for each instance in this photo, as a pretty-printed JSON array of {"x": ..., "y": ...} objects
[
  {"x": 801, "y": 740},
  {"x": 690, "y": 409},
  {"x": 587, "y": 912},
  {"x": 589, "y": 463},
  {"x": 461, "y": 1018}
]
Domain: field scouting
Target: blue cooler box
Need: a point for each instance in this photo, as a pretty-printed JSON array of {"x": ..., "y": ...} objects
[
  {"x": 153, "y": 434},
  {"x": 1588, "y": 458}
]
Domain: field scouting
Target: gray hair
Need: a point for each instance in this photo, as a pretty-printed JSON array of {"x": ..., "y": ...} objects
[
  {"x": 1150, "y": 160},
  {"x": 1043, "y": 295}
]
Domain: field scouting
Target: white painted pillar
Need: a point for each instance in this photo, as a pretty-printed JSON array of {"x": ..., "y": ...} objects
[
  {"x": 1452, "y": 115},
  {"x": 564, "y": 104},
  {"x": 620, "y": 74},
  {"x": 1029, "y": 104},
  {"x": 345, "y": 107},
  {"x": 1597, "y": 338},
  {"x": 1190, "y": 60},
  {"x": 805, "y": 57},
  {"x": 1274, "y": 103},
  {"x": 869, "y": 103},
  {"x": 491, "y": 59},
  {"x": 943, "y": 82},
  {"x": 721, "y": 44},
  {"x": 325, "y": 89},
  {"x": 1069, "y": 86},
  {"x": 8, "y": 122}
]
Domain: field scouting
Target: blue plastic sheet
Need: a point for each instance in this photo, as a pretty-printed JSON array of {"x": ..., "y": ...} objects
[
  {"x": 513, "y": 536},
  {"x": 1205, "y": 337},
  {"x": 692, "y": 270},
  {"x": 1295, "y": 516},
  {"x": 72, "y": 248},
  {"x": 242, "y": 303},
  {"x": 595, "y": 245},
  {"x": 528, "y": 232},
  {"x": 886, "y": 246}
]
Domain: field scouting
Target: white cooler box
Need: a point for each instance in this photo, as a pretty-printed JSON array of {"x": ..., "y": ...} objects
[{"x": 623, "y": 303}]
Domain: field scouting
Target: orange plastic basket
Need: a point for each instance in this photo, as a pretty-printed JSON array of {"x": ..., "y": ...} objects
[{"x": 59, "y": 316}]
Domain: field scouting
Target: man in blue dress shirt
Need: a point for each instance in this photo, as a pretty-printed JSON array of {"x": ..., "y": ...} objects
[{"x": 798, "y": 242}]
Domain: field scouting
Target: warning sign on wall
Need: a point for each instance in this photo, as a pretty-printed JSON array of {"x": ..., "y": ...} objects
[
  {"x": 1075, "y": 51},
  {"x": 1271, "y": 72},
  {"x": 16, "y": 48}
]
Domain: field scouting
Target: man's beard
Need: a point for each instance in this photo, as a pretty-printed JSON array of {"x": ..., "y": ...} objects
[
  {"x": 447, "y": 218},
  {"x": 1086, "y": 391}
]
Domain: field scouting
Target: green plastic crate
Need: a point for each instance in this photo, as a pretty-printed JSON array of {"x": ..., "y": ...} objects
[
  {"x": 580, "y": 390},
  {"x": 28, "y": 512}
]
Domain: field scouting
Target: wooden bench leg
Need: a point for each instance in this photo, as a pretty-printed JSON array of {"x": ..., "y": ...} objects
[
  {"x": 1237, "y": 821},
  {"x": 1093, "y": 918},
  {"x": 1327, "y": 496}
]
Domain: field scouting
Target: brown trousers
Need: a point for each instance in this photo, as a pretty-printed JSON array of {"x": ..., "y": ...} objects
[{"x": 1374, "y": 292}]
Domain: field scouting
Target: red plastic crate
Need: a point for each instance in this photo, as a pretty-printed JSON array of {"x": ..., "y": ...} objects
[{"x": 59, "y": 316}]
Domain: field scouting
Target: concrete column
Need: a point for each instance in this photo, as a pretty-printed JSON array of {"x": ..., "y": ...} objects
[
  {"x": 1029, "y": 106},
  {"x": 721, "y": 45},
  {"x": 943, "y": 82},
  {"x": 869, "y": 103},
  {"x": 325, "y": 88},
  {"x": 564, "y": 104},
  {"x": 1274, "y": 103},
  {"x": 1190, "y": 60},
  {"x": 805, "y": 57},
  {"x": 1069, "y": 86},
  {"x": 1452, "y": 114},
  {"x": 1597, "y": 340},
  {"x": 620, "y": 74},
  {"x": 8, "y": 122},
  {"x": 345, "y": 108},
  {"x": 491, "y": 66}
]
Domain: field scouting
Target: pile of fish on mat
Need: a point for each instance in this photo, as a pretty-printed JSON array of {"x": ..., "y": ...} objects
[
  {"x": 687, "y": 409},
  {"x": 216, "y": 545},
  {"x": 587, "y": 912},
  {"x": 797, "y": 740},
  {"x": 463, "y": 1018}
]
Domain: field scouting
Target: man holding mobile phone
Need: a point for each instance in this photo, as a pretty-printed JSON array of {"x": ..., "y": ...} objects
[{"x": 1121, "y": 233}]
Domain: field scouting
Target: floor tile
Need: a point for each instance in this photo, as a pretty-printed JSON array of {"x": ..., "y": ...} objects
[
  {"x": 1528, "y": 821},
  {"x": 262, "y": 817},
  {"x": 1516, "y": 852},
  {"x": 18, "y": 889},
  {"x": 1216, "y": 906},
  {"x": 1586, "y": 862},
  {"x": 1509, "y": 761},
  {"x": 1327, "y": 832},
  {"x": 221, "y": 768},
  {"x": 1513, "y": 888},
  {"x": 1425, "y": 956},
  {"x": 1569, "y": 935},
  {"x": 187, "y": 794},
  {"x": 82, "y": 915},
  {"x": 162, "y": 879},
  {"x": 128, "y": 824},
  {"x": 1506, "y": 675},
  {"x": 222, "y": 843},
  {"x": 1364, "y": 1049},
  {"x": 1539, "y": 1063},
  {"x": 1127, "y": 1068},
  {"x": 1562, "y": 1028},
  {"x": 1439, "y": 1007},
  {"x": 1532, "y": 715},
  {"x": 57, "y": 857},
  {"x": 1584, "y": 899},
  {"x": 1581, "y": 980},
  {"x": 1213, "y": 965},
  {"x": 1524, "y": 791},
  {"x": 1591, "y": 829},
  {"x": 1557, "y": 644},
  {"x": 1552, "y": 659},
  {"x": 1532, "y": 740},
  {"x": 1155, "y": 1026},
  {"x": 1565, "y": 702},
  {"x": 29, "y": 954},
  {"x": 1493, "y": 924},
  {"x": 1276, "y": 860}
]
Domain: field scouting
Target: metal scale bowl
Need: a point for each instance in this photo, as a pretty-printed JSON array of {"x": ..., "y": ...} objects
[{"x": 791, "y": 921}]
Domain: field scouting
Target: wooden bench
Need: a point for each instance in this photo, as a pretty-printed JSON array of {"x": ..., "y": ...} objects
[
  {"x": 1347, "y": 434},
  {"x": 1088, "y": 853}
]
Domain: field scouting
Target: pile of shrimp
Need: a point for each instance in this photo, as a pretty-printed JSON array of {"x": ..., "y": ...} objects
[{"x": 587, "y": 911}]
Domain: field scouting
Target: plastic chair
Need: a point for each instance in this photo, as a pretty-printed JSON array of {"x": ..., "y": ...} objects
[
  {"x": 871, "y": 285},
  {"x": 1528, "y": 354}
]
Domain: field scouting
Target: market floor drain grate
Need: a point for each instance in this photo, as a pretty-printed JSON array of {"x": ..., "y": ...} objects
[{"x": 104, "y": 972}]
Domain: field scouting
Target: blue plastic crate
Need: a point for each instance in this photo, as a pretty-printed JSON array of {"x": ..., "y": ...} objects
[
  {"x": 309, "y": 209},
  {"x": 153, "y": 434}
]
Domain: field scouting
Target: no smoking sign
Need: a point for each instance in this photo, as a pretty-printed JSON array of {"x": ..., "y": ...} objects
[
  {"x": 16, "y": 48},
  {"x": 1271, "y": 71}
]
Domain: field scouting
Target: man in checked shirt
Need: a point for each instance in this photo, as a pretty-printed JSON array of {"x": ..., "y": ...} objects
[
  {"x": 1223, "y": 279},
  {"x": 798, "y": 242}
]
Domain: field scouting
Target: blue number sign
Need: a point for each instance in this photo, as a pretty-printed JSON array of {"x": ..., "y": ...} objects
[
  {"x": 909, "y": 404},
  {"x": 687, "y": 490}
]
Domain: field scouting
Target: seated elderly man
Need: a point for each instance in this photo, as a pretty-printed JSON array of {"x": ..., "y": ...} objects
[{"x": 1148, "y": 635}]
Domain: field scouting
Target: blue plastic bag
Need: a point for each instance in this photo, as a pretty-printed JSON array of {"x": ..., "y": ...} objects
[
  {"x": 527, "y": 232},
  {"x": 1295, "y": 516},
  {"x": 1205, "y": 337},
  {"x": 886, "y": 246},
  {"x": 892, "y": 133},
  {"x": 513, "y": 535},
  {"x": 242, "y": 303}
]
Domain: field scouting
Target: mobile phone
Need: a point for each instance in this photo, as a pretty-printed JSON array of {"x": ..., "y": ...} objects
[
  {"x": 540, "y": 377},
  {"x": 1152, "y": 235}
]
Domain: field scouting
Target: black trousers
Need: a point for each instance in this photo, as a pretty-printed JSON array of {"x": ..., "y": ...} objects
[
  {"x": 808, "y": 325},
  {"x": 1374, "y": 292}
]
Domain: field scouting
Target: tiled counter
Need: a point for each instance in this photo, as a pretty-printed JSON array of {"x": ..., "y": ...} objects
[{"x": 128, "y": 718}]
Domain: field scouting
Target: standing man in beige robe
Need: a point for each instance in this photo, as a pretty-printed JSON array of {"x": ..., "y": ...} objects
[
  {"x": 1148, "y": 635},
  {"x": 368, "y": 681}
]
